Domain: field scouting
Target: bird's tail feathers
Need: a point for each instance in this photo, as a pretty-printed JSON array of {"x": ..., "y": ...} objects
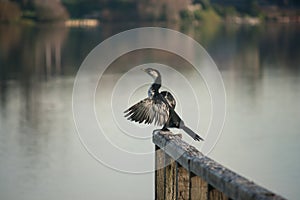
[{"x": 194, "y": 135}]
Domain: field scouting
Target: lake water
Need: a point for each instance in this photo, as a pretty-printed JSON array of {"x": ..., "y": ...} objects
[{"x": 41, "y": 155}]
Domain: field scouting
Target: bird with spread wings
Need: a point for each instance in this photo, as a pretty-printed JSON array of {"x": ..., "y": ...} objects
[{"x": 158, "y": 108}]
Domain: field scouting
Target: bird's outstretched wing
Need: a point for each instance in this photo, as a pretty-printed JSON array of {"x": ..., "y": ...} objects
[{"x": 148, "y": 111}]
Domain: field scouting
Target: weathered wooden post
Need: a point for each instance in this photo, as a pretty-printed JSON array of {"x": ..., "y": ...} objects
[
  {"x": 159, "y": 174},
  {"x": 184, "y": 173}
]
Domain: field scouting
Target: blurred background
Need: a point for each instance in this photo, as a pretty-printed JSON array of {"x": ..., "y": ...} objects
[{"x": 255, "y": 44}]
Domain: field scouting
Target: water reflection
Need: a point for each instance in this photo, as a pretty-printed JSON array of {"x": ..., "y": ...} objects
[
  {"x": 260, "y": 67},
  {"x": 39, "y": 52}
]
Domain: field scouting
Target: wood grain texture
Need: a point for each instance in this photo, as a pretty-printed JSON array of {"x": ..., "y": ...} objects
[
  {"x": 159, "y": 174},
  {"x": 223, "y": 183}
]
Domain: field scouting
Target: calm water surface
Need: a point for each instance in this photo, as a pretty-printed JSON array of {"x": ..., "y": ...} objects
[{"x": 42, "y": 157}]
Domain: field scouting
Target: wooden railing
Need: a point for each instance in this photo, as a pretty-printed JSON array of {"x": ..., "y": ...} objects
[{"x": 182, "y": 172}]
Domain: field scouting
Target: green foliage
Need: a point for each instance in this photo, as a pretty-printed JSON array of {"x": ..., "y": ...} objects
[
  {"x": 87, "y": 8},
  {"x": 70, "y": 2},
  {"x": 253, "y": 8},
  {"x": 198, "y": 15},
  {"x": 208, "y": 15},
  {"x": 80, "y": 9},
  {"x": 204, "y": 3},
  {"x": 225, "y": 11},
  {"x": 186, "y": 15},
  {"x": 38, "y": 10}
]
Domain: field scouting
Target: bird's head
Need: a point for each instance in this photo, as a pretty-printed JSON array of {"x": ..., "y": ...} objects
[{"x": 152, "y": 72}]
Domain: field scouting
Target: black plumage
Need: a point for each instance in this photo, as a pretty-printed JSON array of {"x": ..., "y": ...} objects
[{"x": 158, "y": 108}]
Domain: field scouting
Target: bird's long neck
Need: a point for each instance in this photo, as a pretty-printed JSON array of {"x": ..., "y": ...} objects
[
  {"x": 153, "y": 90},
  {"x": 158, "y": 80},
  {"x": 157, "y": 84}
]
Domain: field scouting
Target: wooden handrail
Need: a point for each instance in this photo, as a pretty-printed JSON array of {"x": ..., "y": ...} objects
[{"x": 183, "y": 172}]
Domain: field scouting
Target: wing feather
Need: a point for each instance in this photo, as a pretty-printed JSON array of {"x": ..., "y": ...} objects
[{"x": 148, "y": 111}]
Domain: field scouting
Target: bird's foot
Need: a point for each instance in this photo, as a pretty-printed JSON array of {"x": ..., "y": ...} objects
[{"x": 165, "y": 129}]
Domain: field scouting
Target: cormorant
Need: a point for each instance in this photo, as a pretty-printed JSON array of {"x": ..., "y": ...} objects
[{"x": 158, "y": 108}]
